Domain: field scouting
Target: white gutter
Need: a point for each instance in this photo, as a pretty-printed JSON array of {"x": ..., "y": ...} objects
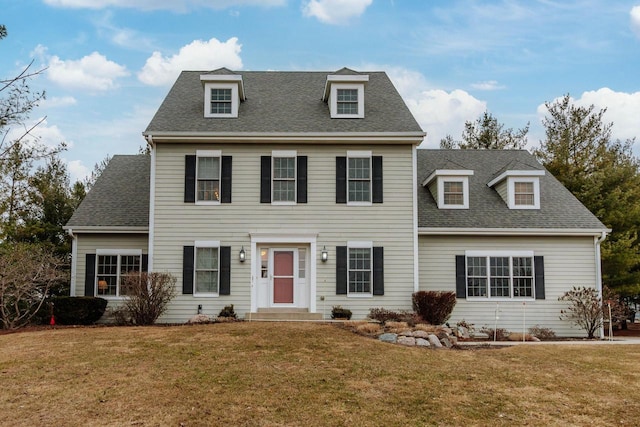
[
  {"x": 290, "y": 137},
  {"x": 596, "y": 243},
  {"x": 108, "y": 229},
  {"x": 74, "y": 261},
  {"x": 565, "y": 232},
  {"x": 414, "y": 189},
  {"x": 152, "y": 198}
]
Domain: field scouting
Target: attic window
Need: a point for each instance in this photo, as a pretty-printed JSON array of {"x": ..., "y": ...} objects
[
  {"x": 449, "y": 188},
  {"x": 345, "y": 95},
  {"x": 520, "y": 189},
  {"x": 222, "y": 95}
]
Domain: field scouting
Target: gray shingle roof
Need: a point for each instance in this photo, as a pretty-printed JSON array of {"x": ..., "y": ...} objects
[
  {"x": 282, "y": 101},
  {"x": 559, "y": 209},
  {"x": 119, "y": 197}
]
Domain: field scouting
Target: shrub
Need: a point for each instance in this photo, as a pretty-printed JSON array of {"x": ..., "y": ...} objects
[
  {"x": 78, "y": 310},
  {"x": 337, "y": 312},
  {"x": 542, "y": 333},
  {"x": 228, "y": 311},
  {"x": 383, "y": 316},
  {"x": 148, "y": 296},
  {"x": 584, "y": 310},
  {"x": 434, "y": 307},
  {"x": 498, "y": 334}
]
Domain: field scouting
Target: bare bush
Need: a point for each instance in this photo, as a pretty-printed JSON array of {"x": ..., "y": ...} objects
[
  {"x": 584, "y": 310},
  {"x": 148, "y": 296},
  {"x": 27, "y": 272}
]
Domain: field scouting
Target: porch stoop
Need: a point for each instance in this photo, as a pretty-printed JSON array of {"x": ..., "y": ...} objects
[{"x": 283, "y": 314}]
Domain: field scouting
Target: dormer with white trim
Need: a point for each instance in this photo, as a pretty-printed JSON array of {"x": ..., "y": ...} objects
[
  {"x": 449, "y": 187},
  {"x": 520, "y": 189},
  {"x": 345, "y": 95},
  {"x": 222, "y": 94}
]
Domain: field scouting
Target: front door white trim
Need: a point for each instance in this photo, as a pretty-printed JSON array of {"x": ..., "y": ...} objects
[{"x": 290, "y": 239}]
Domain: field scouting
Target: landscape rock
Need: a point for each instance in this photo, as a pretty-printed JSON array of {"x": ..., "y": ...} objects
[
  {"x": 421, "y": 342},
  {"x": 388, "y": 337},
  {"x": 408, "y": 341},
  {"x": 199, "y": 318},
  {"x": 421, "y": 334},
  {"x": 434, "y": 341},
  {"x": 462, "y": 332},
  {"x": 446, "y": 342},
  {"x": 406, "y": 333}
]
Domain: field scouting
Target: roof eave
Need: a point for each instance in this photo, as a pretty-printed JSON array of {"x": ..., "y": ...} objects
[
  {"x": 566, "y": 232},
  {"x": 107, "y": 229}
]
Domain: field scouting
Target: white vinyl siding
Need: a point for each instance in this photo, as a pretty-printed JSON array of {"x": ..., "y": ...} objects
[
  {"x": 178, "y": 225},
  {"x": 568, "y": 261}
]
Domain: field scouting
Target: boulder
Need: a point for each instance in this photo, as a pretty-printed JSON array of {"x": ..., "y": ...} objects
[
  {"x": 421, "y": 342},
  {"x": 199, "y": 318},
  {"x": 420, "y": 334},
  {"x": 408, "y": 341},
  {"x": 434, "y": 341},
  {"x": 462, "y": 332},
  {"x": 388, "y": 337}
]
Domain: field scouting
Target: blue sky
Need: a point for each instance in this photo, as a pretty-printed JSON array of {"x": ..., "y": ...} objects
[{"x": 111, "y": 62}]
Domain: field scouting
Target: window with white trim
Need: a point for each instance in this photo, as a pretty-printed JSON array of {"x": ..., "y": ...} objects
[
  {"x": 500, "y": 275},
  {"x": 359, "y": 271},
  {"x": 206, "y": 270},
  {"x": 359, "y": 178},
  {"x": 523, "y": 193},
  {"x": 208, "y": 177},
  {"x": 221, "y": 100},
  {"x": 346, "y": 101},
  {"x": 112, "y": 267},
  {"x": 453, "y": 192},
  {"x": 284, "y": 178}
]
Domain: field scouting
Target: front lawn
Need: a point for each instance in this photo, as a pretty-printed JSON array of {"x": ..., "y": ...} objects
[{"x": 303, "y": 374}]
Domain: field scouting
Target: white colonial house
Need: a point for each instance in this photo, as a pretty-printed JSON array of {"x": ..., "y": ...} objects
[{"x": 286, "y": 193}]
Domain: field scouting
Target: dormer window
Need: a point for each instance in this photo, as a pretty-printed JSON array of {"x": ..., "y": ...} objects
[
  {"x": 450, "y": 188},
  {"x": 222, "y": 95},
  {"x": 519, "y": 189},
  {"x": 345, "y": 95}
]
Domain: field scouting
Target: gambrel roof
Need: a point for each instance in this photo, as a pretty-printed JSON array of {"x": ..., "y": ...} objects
[
  {"x": 119, "y": 198},
  {"x": 559, "y": 209},
  {"x": 282, "y": 101}
]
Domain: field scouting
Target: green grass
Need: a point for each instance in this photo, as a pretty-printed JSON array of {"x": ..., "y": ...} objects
[{"x": 270, "y": 374}]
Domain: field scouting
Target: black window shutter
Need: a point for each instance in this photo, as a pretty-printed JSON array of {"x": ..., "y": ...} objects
[
  {"x": 225, "y": 190},
  {"x": 376, "y": 196},
  {"x": 341, "y": 270},
  {"x": 189, "y": 178},
  {"x": 225, "y": 270},
  {"x": 301, "y": 179},
  {"x": 90, "y": 275},
  {"x": 187, "y": 270},
  {"x": 145, "y": 263},
  {"x": 265, "y": 179},
  {"x": 378, "y": 270},
  {"x": 341, "y": 180},
  {"x": 538, "y": 265},
  {"x": 461, "y": 277}
]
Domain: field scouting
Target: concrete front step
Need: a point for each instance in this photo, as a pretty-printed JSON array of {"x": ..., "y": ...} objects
[{"x": 282, "y": 314}]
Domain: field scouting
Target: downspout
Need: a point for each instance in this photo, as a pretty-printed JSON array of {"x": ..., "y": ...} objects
[
  {"x": 414, "y": 189},
  {"x": 596, "y": 242},
  {"x": 74, "y": 261},
  {"x": 152, "y": 193}
]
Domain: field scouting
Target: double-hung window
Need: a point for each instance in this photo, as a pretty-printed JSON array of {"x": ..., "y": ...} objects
[
  {"x": 453, "y": 193},
  {"x": 347, "y": 102},
  {"x": 523, "y": 193},
  {"x": 284, "y": 177},
  {"x": 500, "y": 275},
  {"x": 359, "y": 177},
  {"x": 207, "y": 268},
  {"x": 221, "y": 101},
  {"x": 208, "y": 176},
  {"x": 360, "y": 264},
  {"x": 112, "y": 267}
]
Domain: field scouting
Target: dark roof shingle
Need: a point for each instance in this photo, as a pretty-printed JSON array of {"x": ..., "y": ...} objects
[
  {"x": 559, "y": 209},
  {"x": 282, "y": 101},
  {"x": 119, "y": 197}
]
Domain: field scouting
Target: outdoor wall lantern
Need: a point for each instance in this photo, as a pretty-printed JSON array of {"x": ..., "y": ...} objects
[
  {"x": 324, "y": 255},
  {"x": 243, "y": 255}
]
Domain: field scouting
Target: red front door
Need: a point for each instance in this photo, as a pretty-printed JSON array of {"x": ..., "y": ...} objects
[{"x": 283, "y": 278}]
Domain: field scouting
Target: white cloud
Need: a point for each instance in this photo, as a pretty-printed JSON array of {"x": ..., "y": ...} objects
[
  {"x": 57, "y": 102},
  {"x": 198, "y": 55},
  {"x": 125, "y": 37},
  {"x": 438, "y": 112},
  {"x": 50, "y": 136},
  {"x": 93, "y": 72},
  {"x": 173, "y": 5},
  {"x": 635, "y": 19},
  {"x": 623, "y": 109},
  {"x": 487, "y": 85},
  {"x": 335, "y": 11},
  {"x": 77, "y": 170}
]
